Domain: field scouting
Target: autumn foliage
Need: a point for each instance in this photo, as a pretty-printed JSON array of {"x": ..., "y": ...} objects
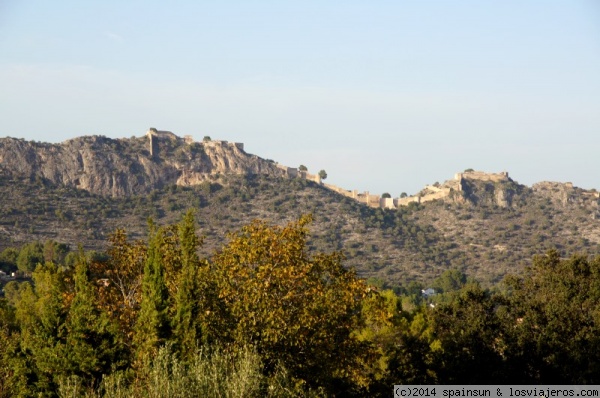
[{"x": 265, "y": 316}]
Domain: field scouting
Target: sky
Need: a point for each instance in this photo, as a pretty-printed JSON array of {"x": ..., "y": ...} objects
[{"x": 386, "y": 96}]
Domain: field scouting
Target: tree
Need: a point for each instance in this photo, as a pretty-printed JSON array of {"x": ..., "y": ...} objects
[
  {"x": 323, "y": 174},
  {"x": 403, "y": 195},
  {"x": 450, "y": 280},
  {"x": 302, "y": 168},
  {"x": 469, "y": 333},
  {"x": 8, "y": 259},
  {"x": 152, "y": 326},
  {"x": 294, "y": 308},
  {"x": 55, "y": 252},
  {"x": 401, "y": 353},
  {"x": 92, "y": 338},
  {"x": 119, "y": 280},
  {"x": 386, "y": 195},
  {"x": 30, "y": 256},
  {"x": 41, "y": 310},
  {"x": 186, "y": 327},
  {"x": 206, "y": 138},
  {"x": 553, "y": 321}
]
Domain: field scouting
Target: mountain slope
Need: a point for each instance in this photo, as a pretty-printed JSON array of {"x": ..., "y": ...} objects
[{"x": 487, "y": 229}]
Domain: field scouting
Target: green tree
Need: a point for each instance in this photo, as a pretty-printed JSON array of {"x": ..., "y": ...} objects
[
  {"x": 554, "y": 321},
  {"x": 386, "y": 195},
  {"x": 450, "y": 280},
  {"x": 91, "y": 337},
  {"x": 152, "y": 326},
  {"x": 402, "y": 353},
  {"x": 8, "y": 259},
  {"x": 30, "y": 256},
  {"x": 186, "y": 326},
  {"x": 302, "y": 168},
  {"x": 470, "y": 336},
  {"x": 55, "y": 252},
  {"x": 41, "y": 310},
  {"x": 322, "y": 174}
]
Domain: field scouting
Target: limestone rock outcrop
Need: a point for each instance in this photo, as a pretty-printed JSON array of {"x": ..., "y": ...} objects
[{"x": 121, "y": 167}]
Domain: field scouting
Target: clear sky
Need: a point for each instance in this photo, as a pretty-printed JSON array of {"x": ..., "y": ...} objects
[{"x": 386, "y": 96}]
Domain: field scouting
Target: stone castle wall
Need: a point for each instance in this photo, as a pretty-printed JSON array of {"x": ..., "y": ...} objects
[
  {"x": 155, "y": 136},
  {"x": 482, "y": 176},
  {"x": 429, "y": 193}
]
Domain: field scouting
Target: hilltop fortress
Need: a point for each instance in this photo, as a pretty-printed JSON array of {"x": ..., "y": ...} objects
[
  {"x": 429, "y": 193},
  {"x": 155, "y": 136}
]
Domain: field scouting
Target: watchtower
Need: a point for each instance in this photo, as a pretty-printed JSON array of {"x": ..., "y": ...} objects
[{"x": 152, "y": 141}]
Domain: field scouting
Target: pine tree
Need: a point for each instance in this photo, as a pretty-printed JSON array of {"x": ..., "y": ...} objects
[{"x": 41, "y": 314}]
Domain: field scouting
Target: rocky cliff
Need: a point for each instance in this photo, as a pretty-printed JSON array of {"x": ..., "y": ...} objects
[{"x": 121, "y": 167}]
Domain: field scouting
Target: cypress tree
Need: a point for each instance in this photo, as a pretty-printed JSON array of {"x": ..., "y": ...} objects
[
  {"x": 186, "y": 327},
  {"x": 152, "y": 326},
  {"x": 92, "y": 341}
]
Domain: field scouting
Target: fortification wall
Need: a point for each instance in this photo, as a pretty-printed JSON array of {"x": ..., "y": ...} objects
[
  {"x": 341, "y": 191},
  {"x": 310, "y": 177},
  {"x": 430, "y": 192},
  {"x": 291, "y": 172},
  {"x": 433, "y": 188},
  {"x": 373, "y": 200},
  {"x": 407, "y": 200},
  {"x": 436, "y": 195},
  {"x": 388, "y": 203},
  {"x": 152, "y": 143},
  {"x": 238, "y": 145},
  {"x": 361, "y": 198},
  {"x": 482, "y": 176},
  {"x": 214, "y": 143}
]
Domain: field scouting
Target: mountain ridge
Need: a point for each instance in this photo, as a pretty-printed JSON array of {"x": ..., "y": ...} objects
[
  {"x": 488, "y": 228},
  {"x": 127, "y": 166},
  {"x": 136, "y": 165}
]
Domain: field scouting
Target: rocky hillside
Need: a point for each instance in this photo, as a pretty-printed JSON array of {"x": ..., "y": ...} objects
[
  {"x": 484, "y": 225},
  {"x": 121, "y": 167}
]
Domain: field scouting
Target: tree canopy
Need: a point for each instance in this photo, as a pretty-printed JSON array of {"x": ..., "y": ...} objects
[{"x": 284, "y": 318}]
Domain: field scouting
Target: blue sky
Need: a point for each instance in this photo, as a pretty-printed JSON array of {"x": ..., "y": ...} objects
[{"x": 386, "y": 96}]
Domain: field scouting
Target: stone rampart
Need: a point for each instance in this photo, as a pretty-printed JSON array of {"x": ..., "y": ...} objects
[
  {"x": 341, "y": 191},
  {"x": 388, "y": 203},
  {"x": 435, "y": 195},
  {"x": 429, "y": 193},
  {"x": 482, "y": 176},
  {"x": 433, "y": 188},
  {"x": 290, "y": 172},
  {"x": 310, "y": 177},
  {"x": 407, "y": 200}
]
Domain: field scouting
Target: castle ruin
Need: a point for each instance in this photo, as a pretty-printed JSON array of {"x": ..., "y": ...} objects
[
  {"x": 155, "y": 136},
  {"x": 429, "y": 193}
]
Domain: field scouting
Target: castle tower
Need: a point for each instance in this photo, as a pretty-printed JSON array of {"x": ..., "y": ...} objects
[{"x": 152, "y": 141}]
